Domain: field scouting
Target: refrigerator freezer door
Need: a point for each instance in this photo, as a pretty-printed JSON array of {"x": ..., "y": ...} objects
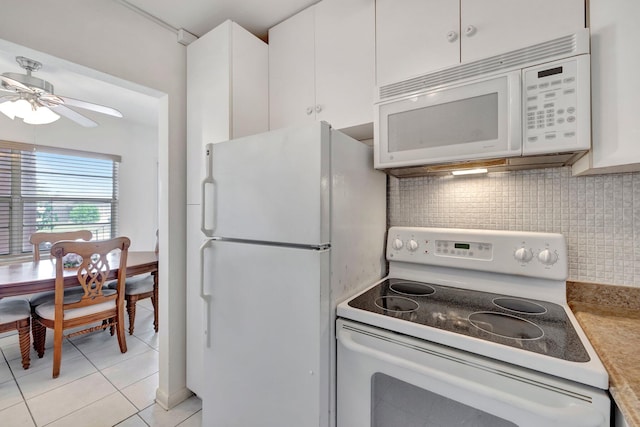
[
  {"x": 268, "y": 361},
  {"x": 271, "y": 187}
]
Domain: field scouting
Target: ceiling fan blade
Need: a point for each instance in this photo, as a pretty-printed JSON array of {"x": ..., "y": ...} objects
[
  {"x": 74, "y": 116},
  {"x": 16, "y": 84},
  {"x": 7, "y": 98},
  {"x": 90, "y": 106},
  {"x": 49, "y": 100}
]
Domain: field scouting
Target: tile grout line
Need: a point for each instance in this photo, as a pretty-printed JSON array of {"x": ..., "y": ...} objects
[
  {"x": 24, "y": 401},
  {"x": 62, "y": 385},
  {"x": 118, "y": 390}
]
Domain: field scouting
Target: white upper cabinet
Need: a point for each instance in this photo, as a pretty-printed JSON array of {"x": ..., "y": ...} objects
[
  {"x": 321, "y": 65},
  {"x": 292, "y": 90},
  {"x": 615, "y": 88},
  {"x": 419, "y": 36},
  {"x": 227, "y": 93},
  {"x": 426, "y": 35},
  {"x": 345, "y": 60},
  {"x": 490, "y": 27}
]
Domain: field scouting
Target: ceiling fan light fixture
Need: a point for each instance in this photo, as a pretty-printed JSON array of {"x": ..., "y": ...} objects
[
  {"x": 33, "y": 100},
  {"x": 21, "y": 108},
  {"x": 28, "y": 112},
  {"x": 6, "y": 108},
  {"x": 41, "y": 116}
]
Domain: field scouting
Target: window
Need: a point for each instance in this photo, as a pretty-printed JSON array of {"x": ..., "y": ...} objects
[{"x": 50, "y": 189}]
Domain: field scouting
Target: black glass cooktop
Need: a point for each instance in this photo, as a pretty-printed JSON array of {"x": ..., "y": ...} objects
[{"x": 537, "y": 326}]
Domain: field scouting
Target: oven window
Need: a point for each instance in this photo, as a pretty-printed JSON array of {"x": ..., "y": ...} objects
[
  {"x": 463, "y": 121},
  {"x": 396, "y": 403}
]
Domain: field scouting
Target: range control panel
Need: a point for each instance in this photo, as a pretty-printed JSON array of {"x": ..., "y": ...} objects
[
  {"x": 541, "y": 255},
  {"x": 477, "y": 250}
]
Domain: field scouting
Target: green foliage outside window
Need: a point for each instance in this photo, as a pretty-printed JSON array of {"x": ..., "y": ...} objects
[
  {"x": 84, "y": 214},
  {"x": 46, "y": 218}
]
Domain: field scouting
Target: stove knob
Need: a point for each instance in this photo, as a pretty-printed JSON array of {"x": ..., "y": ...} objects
[
  {"x": 397, "y": 244},
  {"x": 523, "y": 255},
  {"x": 412, "y": 245},
  {"x": 547, "y": 257}
]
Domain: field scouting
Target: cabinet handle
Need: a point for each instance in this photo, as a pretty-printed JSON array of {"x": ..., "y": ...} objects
[
  {"x": 452, "y": 36},
  {"x": 309, "y": 111},
  {"x": 318, "y": 108},
  {"x": 470, "y": 30}
]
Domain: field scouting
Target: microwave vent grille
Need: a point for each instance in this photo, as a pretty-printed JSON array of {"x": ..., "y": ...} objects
[{"x": 561, "y": 47}]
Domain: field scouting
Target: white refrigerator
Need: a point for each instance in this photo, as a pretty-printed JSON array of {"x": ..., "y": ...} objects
[{"x": 294, "y": 222}]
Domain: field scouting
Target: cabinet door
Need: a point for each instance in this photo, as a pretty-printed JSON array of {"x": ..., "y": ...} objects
[
  {"x": 292, "y": 70},
  {"x": 490, "y": 27},
  {"x": 411, "y": 39},
  {"x": 345, "y": 61},
  {"x": 614, "y": 88}
]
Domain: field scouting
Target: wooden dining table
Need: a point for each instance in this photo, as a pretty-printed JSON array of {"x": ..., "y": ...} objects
[{"x": 29, "y": 277}]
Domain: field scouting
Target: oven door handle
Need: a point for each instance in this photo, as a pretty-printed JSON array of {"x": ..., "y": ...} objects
[{"x": 571, "y": 415}]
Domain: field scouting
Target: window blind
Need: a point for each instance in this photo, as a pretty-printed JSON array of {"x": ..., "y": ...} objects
[{"x": 49, "y": 189}]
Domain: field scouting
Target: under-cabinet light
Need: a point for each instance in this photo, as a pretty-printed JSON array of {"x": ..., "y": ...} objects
[{"x": 469, "y": 171}]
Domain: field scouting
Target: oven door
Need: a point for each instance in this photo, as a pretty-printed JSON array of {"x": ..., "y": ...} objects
[{"x": 391, "y": 380}]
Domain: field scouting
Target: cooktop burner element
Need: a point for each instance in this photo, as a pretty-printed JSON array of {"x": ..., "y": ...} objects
[
  {"x": 505, "y": 325},
  {"x": 412, "y": 288},
  {"x": 475, "y": 314},
  {"x": 519, "y": 305},
  {"x": 396, "y": 304}
]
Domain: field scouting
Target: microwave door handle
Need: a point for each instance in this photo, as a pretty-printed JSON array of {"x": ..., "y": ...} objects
[{"x": 567, "y": 416}]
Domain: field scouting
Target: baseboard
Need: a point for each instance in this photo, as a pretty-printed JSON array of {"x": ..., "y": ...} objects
[{"x": 169, "y": 401}]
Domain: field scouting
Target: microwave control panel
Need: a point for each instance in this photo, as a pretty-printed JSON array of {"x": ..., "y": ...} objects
[{"x": 556, "y": 109}]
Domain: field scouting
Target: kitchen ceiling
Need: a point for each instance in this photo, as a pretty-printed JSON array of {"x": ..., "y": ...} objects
[{"x": 200, "y": 16}]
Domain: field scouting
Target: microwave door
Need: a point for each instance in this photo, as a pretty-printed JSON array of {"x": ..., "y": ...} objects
[{"x": 479, "y": 119}]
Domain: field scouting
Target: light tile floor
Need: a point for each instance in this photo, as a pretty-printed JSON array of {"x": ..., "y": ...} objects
[{"x": 98, "y": 386}]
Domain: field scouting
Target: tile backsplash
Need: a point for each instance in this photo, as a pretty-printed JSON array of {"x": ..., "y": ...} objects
[{"x": 599, "y": 215}]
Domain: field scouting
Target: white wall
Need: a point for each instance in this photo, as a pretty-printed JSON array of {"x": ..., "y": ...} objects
[
  {"x": 105, "y": 36},
  {"x": 138, "y": 147}
]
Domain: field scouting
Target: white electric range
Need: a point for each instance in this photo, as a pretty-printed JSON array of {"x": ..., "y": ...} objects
[{"x": 476, "y": 323}]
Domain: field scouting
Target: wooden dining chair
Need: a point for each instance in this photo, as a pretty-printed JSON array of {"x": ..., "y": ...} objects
[
  {"x": 41, "y": 237},
  {"x": 140, "y": 287},
  {"x": 37, "y": 239},
  {"x": 97, "y": 308},
  {"x": 15, "y": 315}
]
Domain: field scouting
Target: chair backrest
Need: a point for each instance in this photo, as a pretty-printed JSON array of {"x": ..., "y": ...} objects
[
  {"x": 157, "y": 241},
  {"x": 93, "y": 271},
  {"x": 40, "y": 237}
]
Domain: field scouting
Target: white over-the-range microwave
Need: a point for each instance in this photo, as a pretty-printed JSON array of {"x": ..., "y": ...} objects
[{"x": 517, "y": 109}]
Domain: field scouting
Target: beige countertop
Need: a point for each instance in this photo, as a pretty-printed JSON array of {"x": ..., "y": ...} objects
[{"x": 610, "y": 317}]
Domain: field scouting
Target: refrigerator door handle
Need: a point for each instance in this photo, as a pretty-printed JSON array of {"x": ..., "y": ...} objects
[
  {"x": 208, "y": 180},
  {"x": 205, "y": 296}
]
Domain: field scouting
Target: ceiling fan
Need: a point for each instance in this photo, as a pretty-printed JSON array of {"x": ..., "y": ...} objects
[{"x": 33, "y": 100}]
